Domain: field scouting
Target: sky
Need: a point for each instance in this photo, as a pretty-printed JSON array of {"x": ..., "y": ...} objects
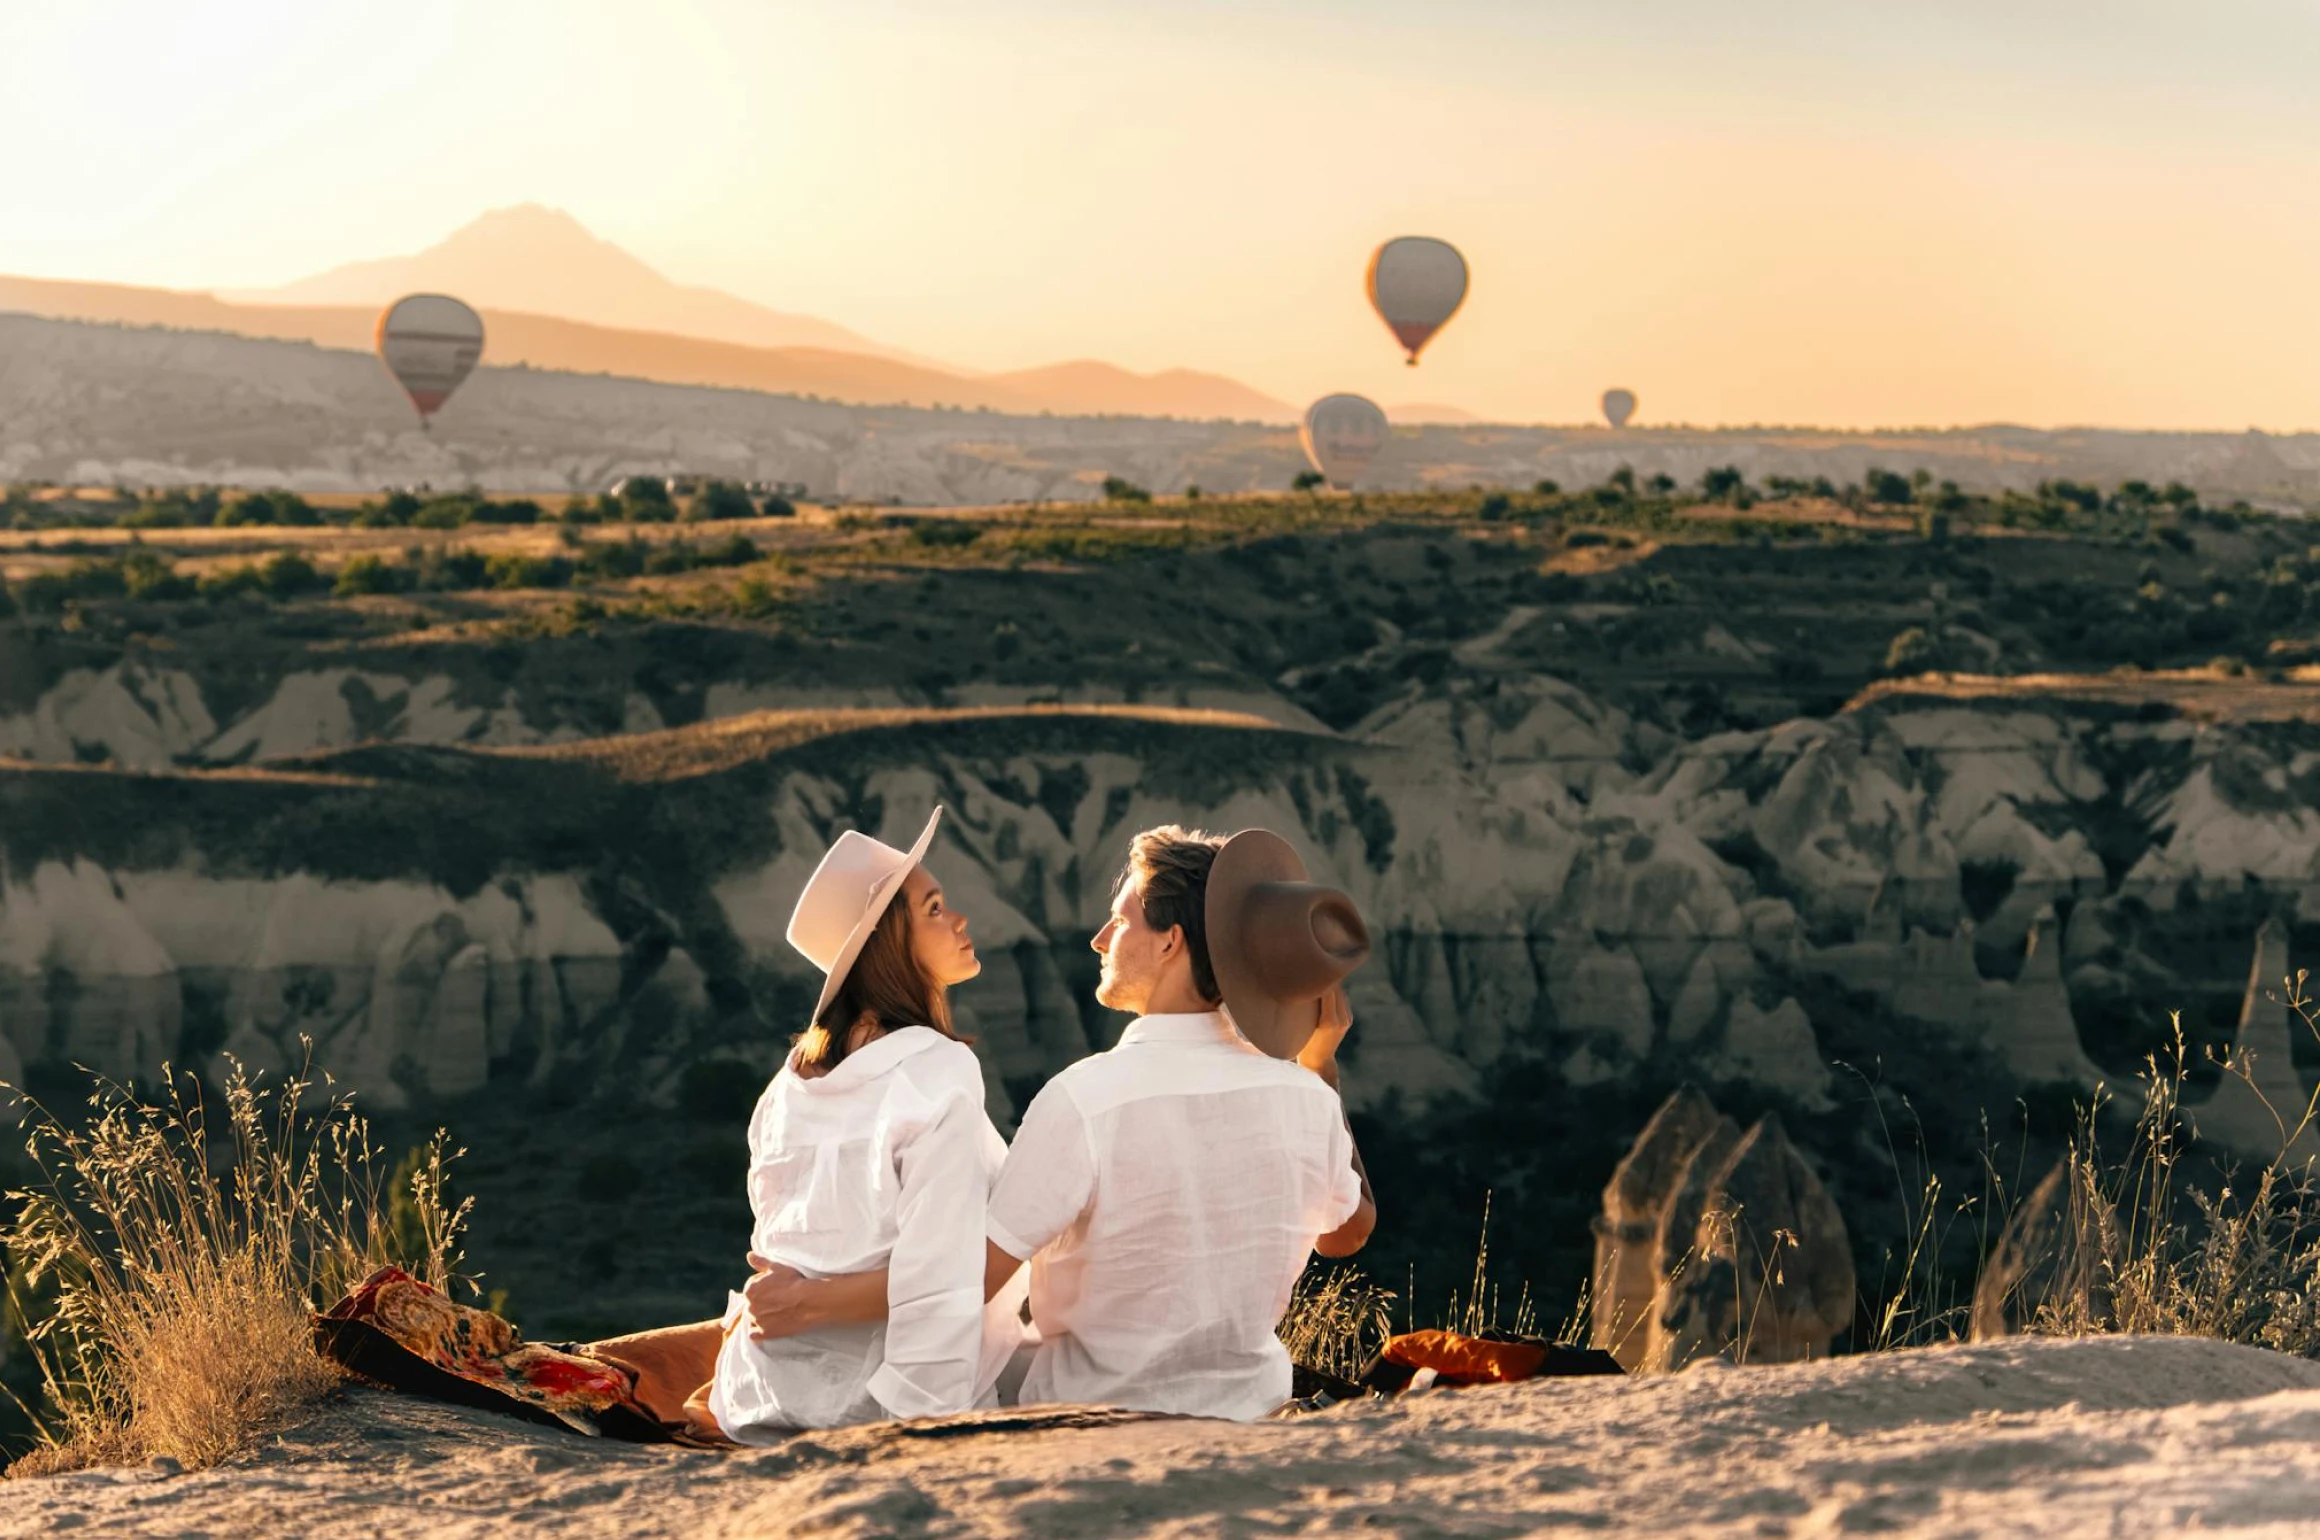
[{"x": 1747, "y": 211}]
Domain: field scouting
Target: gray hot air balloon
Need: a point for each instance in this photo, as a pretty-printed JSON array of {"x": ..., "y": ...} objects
[
  {"x": 1341, "y": 435},
  {"x": 1618, "y": 406},
  {"x": 1417, "y": 284},
  {"x": 430, "y": 343}
]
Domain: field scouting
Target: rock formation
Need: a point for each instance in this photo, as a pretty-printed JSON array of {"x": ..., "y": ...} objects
[
  {"x": 1767, "y": 1272},
  {"x": 2261, "y": 1110},
  {"x": 1717, "y": 1242},
  {"x": 1627, "y": 1230},
  {"x": 2053, "y": 1262}
]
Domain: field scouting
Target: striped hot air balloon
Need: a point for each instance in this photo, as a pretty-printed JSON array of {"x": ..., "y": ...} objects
[
  {"x": 1341, "y": 435},
  {"x": 430, "y": 343},
  {"x": 1416, "y": 284}
]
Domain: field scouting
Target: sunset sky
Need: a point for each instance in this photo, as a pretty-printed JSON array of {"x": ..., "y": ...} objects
[{"x": 1748, "y": 211}]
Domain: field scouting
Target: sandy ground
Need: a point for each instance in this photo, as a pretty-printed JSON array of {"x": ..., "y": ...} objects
[{"x": 2113, "y": 1437}]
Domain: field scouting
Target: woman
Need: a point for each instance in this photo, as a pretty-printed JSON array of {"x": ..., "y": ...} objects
[{"x": 871, "y": 1151}]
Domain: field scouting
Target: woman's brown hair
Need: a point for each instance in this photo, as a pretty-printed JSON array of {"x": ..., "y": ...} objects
[{"x": 886, "y": 988}]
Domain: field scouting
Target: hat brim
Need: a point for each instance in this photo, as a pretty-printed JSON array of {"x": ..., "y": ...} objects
[
  {"x": 881, "y": 896},
  {"x": 1253, "y": 856}
]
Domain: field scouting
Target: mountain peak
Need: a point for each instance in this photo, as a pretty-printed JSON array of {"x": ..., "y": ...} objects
[{"x": 540, "y": 260}]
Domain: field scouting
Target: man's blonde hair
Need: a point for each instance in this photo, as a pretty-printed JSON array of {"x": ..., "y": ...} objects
[{"x": 1169, "y": 866}]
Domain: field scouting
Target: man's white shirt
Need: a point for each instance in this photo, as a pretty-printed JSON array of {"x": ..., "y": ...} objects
[{"x": 1169, "y": 1193}]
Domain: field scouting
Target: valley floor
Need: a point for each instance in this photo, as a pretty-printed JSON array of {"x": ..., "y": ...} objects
[{"x": 2111, "y": 1436}]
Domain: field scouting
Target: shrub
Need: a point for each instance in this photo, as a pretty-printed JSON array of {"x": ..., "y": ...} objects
[
  {"x": 182, "y": 1284},
  {"x": 153, "y": 580},
  {"x": 646, "y": 500},
  {"x": 1545, "y": 488},
  {"x": 443, "y": 513},
  {"x": 1496, "y": 506},
  {"x": 944, "y": 533},
  {"x": 268, "y": 508},
  {"x": 721, "y": 500},
  {"x": 735, "y": 550},
  {"x": 521, "y": 510},
  {"x": 452, "y": 570},
  {"x": 777, "y": 506},
  {"x": 514, "y": 570},
  {"x": 1883, "y": 486},
  {"x": 287, "y": 574},
  {"x": 1118, "y": 489},
  {"x": 370, "y": 575},
  {"x": 612, "y": 559},
  {"x": 231, "y": 583}
]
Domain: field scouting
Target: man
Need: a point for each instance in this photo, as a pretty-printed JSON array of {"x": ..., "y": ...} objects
[{"x": 1169, "y": 1192}]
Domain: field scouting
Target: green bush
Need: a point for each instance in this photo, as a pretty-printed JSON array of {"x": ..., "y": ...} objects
[
  {"x": 268, "y": 508},
  {"x": 1118, "y": 489},
  {"x": 1306, "y": 481},
  {"x": 443, "y": 513},
  {"x": 521, "y": 510},
  {"x": 370, "y": 575},
  {"x": 944, "y": 533},
  {"x": 231, "y": 583},
  {"x": 287, "y": 574},
  {"x": 732, "y": 551},
  {"x": 452, "y": 570},
  {"x": 612, "y": 559},
  {"x": 721, "y": 500},
  {"x": 777, "y": 506},
  {"x": 512, "y": 570}
]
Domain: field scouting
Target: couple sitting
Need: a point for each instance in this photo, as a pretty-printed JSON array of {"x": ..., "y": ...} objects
[{"x": 1166, "y": 1194}]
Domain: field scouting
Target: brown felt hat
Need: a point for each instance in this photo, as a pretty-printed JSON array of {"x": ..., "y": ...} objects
[{"x": 1277, "y": 942}]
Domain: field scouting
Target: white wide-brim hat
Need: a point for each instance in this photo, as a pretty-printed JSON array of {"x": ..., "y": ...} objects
[{"x": 844, "y": 898}]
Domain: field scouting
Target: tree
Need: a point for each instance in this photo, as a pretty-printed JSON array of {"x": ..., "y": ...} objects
[
  {"x": 1660, "y": 484},
  {"x": 1306, "y": 481},
  {"x": 646, "y": 499},
  {"x": 777, "y": 506},
  {"x": 1545, "y": 488},
  {"x": 1622, "y": 478},
  {"x": 1724, "y": 484},
  {"x": 1888, "y": 487},
  {"x": 1118, "y": 489},
  {"x": 722, "y": 500}
]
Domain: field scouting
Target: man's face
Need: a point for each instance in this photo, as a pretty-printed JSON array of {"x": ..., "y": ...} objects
[{"x": 1131, "y": 950}]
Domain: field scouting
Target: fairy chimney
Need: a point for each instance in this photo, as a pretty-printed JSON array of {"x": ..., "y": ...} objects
[
  {"x": 2258, "y": 1112},
  {"x": 1628, "y": 1227},
  {"x": 2053, "y": 1262},
  {"x": 1759, "y": 1267}
]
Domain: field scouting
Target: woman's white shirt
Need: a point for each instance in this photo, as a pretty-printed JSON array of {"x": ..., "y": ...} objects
[{"x": 886, "y": 1161}]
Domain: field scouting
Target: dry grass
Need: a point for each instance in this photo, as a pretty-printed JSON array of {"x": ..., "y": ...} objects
[
  {"x": 169, "y": 1266},
  {"x": 2152, "y": 1253}
]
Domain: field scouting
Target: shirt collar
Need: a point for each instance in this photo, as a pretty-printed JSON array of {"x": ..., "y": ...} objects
[
  {"x": 1187, "y": 1027},
  {"x": 875, "y": 1058}
]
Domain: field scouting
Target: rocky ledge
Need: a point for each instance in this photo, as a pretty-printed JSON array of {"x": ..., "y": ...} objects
[{"x": 2109, "y": 1436}]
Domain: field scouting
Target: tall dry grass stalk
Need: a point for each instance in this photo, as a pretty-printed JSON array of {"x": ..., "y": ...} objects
[
  {"x": 1336, "y": 1322},
  {"x": 2149, "y": 1252},
  {"x": 178, "y": 1260}
]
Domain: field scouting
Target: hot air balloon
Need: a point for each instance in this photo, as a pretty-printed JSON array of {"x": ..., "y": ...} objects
[
  {"x": 1618, "y": 406},
  {"x": 1417, "y": 284},
  {"x": 430, "y": 343},
  {"x": 1341, "y": 435}
]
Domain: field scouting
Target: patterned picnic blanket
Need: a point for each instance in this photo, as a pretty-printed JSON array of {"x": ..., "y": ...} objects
[{"x": 396, "y": 1331}]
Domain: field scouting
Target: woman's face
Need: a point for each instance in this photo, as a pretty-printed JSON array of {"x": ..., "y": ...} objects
[{"x": 938, "y": 933}]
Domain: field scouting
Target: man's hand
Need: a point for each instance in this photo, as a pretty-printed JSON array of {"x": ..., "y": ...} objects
[
  {"x": 1320, "y": 1051},
  {"x": 780, "y": 1303}
]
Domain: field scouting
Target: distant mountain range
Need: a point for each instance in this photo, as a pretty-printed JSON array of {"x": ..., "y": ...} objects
[{"x": 554, "y": 296}]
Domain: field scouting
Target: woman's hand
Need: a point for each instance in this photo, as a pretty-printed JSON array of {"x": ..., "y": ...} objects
[
  {"x": 781, "y": 1302},
  {"x": 1320, "y": 1051}
]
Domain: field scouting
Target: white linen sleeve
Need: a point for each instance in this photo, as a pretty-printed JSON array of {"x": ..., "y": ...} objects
[
  {"x": 934, "y": 1277},
  {"x": 1049, "y": 1177},
  {"x": 1344, "y": 1181}
]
